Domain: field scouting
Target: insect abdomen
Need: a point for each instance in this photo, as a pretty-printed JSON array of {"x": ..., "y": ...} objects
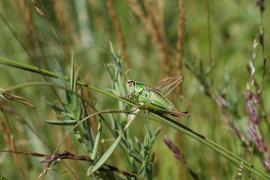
[{"x": 156, "y": 101}]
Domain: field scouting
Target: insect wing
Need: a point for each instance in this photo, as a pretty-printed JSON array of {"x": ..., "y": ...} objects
[
  {"x": 159, "y": 101},
  {"x": 161, "y": 104}
]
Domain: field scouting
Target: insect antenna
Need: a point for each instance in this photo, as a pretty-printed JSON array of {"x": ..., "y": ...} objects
[{"x": 169, "y": 84}]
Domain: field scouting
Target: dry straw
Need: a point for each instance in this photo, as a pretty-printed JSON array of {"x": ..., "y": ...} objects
[
  {"x": 180, "y": 41},
  {"x": 155, "y": 30},
  {"x": 119, "y": 30}
]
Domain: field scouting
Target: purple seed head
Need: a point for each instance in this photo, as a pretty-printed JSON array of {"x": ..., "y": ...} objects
[
  {"x": 176, "y": 151},
  {"x": 260, "y": 4}
]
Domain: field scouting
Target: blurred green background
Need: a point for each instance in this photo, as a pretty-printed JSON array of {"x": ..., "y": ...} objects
[{"x": 218, "y": 34}]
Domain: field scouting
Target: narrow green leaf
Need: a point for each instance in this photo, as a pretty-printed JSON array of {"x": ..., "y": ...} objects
[
  {"x": 71, "y": 77},
  {"x": 76, "y": 78},
  {"x": 55, "y": 107},
  {"x": 97, "y": 140},
  {"x": 105, "y": 156},
  {"x": 61, "y": 123}
]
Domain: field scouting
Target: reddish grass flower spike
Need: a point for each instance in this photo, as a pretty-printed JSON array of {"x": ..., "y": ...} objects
[
  {"x": 176, "y": 151},
  {"x": 257, "y": 138},
  {"x": 253, "y": 99},
  {"x": 252, "y": 102},
  {"x": 260, "y": 4}
]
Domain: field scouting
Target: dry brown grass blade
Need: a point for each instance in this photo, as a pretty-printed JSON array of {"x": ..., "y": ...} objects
[
  {"x": 57, "y": 157},
  {"x": 40, "y": 9},
  {"x": 65, "y": 23},
  {"x": 30, "y": 41},
  {"x": 4, "y": 126},
  {"x": 159, "y": 38},
  {"x": 160, "y": 12},
  {"x": 119, "y": 31},
  {"x": 16, "y": 98},
  {"x": 88, "y": 96},
  {"x": 180, "y": 41},
  {"x": 155, "y": 31}
]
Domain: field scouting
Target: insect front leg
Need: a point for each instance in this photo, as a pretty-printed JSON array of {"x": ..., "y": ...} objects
[
  {"x": 131, "y": 116},
  {"x": 146, "y": 111}
]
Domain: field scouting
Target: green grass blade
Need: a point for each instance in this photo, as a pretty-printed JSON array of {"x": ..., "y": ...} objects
[
  {"x": 61, "y": 123},
  {"x": 15, "y": 64},
  {"x": 105, "y": 156},
  {"x": 97, "y": 140}
]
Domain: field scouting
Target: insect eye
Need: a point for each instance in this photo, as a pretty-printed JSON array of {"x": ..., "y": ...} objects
[{"x": 131, "y": 83}]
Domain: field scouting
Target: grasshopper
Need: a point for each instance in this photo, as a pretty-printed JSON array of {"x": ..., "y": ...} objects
[{"x": 149, "y": 98}]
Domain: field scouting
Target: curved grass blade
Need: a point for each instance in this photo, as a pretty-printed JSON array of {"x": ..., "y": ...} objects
[
  {"x": 105, "y": 156},
  {"x": 97, "y": 140},
  {"x": 16, "y": 98},
  {"x": 61, "y": 123}
]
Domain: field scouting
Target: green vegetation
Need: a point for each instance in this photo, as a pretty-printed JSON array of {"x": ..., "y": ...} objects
[{"x": 64, "y": 108}]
